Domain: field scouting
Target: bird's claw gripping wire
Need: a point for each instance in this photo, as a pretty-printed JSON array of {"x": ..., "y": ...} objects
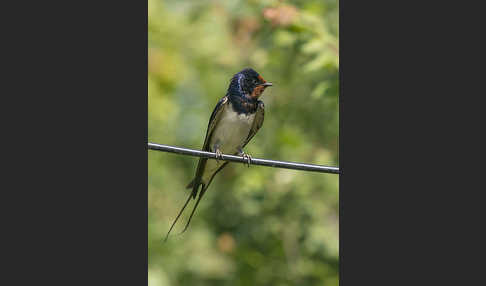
[
  {"x": 247, "y": 157},
  {"x": 219, "y": 155}
]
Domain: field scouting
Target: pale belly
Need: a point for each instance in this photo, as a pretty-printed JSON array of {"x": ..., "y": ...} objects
[{"x": 229, "y": 135}]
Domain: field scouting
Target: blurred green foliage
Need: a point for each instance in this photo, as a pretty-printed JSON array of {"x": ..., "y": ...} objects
[{"x": 257, "y": 225}]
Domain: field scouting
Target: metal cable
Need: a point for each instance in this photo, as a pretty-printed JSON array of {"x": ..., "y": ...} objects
[{"x": 239, "y": 159}]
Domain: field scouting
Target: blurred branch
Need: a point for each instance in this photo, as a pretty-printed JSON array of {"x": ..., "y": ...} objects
[{"x": 238, "y": 159}]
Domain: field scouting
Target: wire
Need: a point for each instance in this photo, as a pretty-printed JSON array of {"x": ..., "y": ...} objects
[{"x": 239, "y": 159}]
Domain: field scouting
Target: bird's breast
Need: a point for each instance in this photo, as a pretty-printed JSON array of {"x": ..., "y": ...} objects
[
  {"x": 229, "y": 134},
  {"x": 232, "y": 130}
]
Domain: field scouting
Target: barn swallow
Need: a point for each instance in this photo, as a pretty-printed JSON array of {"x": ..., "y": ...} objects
[{"x": 236, "y": 118}]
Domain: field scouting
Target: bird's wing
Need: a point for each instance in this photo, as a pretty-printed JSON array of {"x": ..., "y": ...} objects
[
  {"x": 257, "y": 122},
  {"x": 213, "y": 121},
  {"x": 194, "y": 184}
]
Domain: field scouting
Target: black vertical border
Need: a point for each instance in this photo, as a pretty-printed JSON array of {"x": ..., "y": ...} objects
[
  {"x": 404, "y": 77},
  {"x": 75, "y": 194}
]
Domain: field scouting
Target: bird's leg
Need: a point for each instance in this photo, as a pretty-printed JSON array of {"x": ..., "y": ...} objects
[
  {"x": 245, "y": 156},
  {"x": 219, "y": 154}
]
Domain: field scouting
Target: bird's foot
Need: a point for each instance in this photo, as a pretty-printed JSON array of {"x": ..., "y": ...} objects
[
  {"x": 219, "y": 155},
  {"x": 247, "y": 157}
]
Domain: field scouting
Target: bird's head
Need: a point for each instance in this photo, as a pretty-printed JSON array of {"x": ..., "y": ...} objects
[{"x": 249, "y": 82}]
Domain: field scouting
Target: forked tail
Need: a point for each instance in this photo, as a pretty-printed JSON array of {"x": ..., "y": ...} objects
[
  {"x": 192, "y": 195},
  {"x": 180, "y": 212}
]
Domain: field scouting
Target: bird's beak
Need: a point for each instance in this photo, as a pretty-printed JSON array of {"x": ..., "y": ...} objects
[
  {"x": 265, "y": 83},
  {"x": 258, "y": 90}
]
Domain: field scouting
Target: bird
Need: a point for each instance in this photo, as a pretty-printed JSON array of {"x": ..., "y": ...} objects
[{"x": 234, "y": 121}]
